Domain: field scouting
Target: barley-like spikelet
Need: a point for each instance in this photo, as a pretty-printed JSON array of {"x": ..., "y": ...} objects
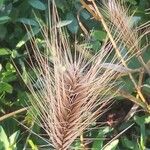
[
  {"x": 72, "y": 91},
  {"x": 124, "y": 25},
  {"x": 126, "y": 30}
]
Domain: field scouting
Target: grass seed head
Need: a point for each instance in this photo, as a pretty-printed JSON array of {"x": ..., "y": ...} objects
[{"x": 72, "y": 91}]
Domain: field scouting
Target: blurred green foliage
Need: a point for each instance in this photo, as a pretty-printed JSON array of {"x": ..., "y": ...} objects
[{"x": 14, "y": 14}]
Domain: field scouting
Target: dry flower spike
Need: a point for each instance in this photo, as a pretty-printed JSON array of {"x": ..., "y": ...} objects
[{"x": 72, "y": 91}]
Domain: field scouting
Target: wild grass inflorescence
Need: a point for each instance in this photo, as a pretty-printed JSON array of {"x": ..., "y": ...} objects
[{"x": 73, "y": 91}]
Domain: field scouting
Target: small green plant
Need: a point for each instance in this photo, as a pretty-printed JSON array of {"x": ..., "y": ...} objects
[{"x": 8, "y": 143}]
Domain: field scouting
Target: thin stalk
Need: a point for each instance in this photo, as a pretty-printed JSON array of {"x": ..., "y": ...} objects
[
  {"x": 126, "y": 95},
  {"x": 145, "y": 65},
  {"x": 118, "y": 136},
  {"x": 13, "y": 113},
  {"x": 98, "y": 16},
  {"x": 82, "y": 142},
  {"x": 135, "y": 106}
]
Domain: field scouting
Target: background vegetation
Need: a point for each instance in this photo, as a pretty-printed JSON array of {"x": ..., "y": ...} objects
[{"x": 13, "y": 37}]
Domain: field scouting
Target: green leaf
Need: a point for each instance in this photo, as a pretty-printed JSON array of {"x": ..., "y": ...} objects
[
  {"x": 85, "y": 14},
  {"x": 3, "y": 31},
  {"x": 99, "y": 35},
  {"x": 146, "y": 55},
  {"x": 10, "y": 67},
  {"x": 4, "y": 19},
  {"x": 3, "y": 139},
  {"x": 28, "y": 36},
  {"x": 63, "y": 23},
  {"x": 134, "y": 63},
  {"x": 4, "y": 51},
  {"x": 27, "y": 21},
  {"x": 22, "y": 99},
  {"x": 112, "y": 145},
  {"x": 2, "y": 146},
  {"x": 5, "y": 87},
  {"x": 97, "y": 144},
  {"x": 32, "y": 145},
  {"x": 14, "y": 54},
  {"x": 37, "y": 4},
  {"x": 127, "y": 85},
  {"x": 142, "y": 120},
  {"x": 73, "y": 26},
  {"x": 147, "y": 81},
  {"x": 1, "y": 67},
  {"x": 61, "y": 4},
  {"x": 13, "y": 139},
  {"x": 1, "y": 2},
  {"x": 134, "y": 20},
  {"x": 146, "y": 87},
  {"x": 95, "y": 45},
  {"x": 20, "y": 43},
  {"x": 143, "y": 136},
  {"x": 10, "y": 74},
  {"x": 134, "y": 2},
  {"x": 127, "y": 143}
]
